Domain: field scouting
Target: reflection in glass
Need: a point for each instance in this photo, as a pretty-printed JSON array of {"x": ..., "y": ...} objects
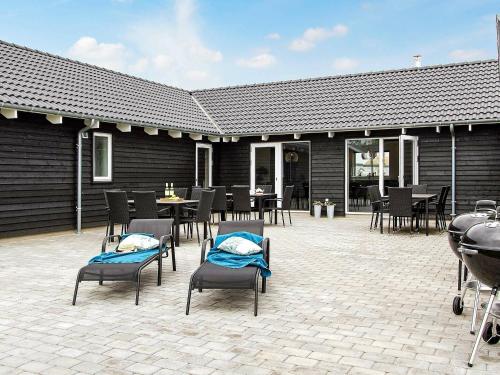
[
  {"x": 101, "y": 156},
  {"x": 265, "y": 166},
  {"x": 203, "y": 167},
  {"x": 296, "y": 173}
]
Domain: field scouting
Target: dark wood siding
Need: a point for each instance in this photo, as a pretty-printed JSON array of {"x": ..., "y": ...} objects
[
  {"x": 140, "y": 162},
  {"x": 37, "y": 175}
]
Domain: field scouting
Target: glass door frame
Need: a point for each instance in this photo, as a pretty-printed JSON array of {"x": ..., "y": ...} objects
[
  {"x": 278, "y": 165},
  {"x": 210, "y": 162},
  {"x": 401, "y": 139}
]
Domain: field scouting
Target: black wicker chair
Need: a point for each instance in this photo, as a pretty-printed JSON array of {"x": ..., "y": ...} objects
[
  {"x": 201, "y": 214},
  {"x": 146, "y": 207},
  {"x": 212, "y": 276},
  {"x": 376, "y": 203},
  {"x": 439, "y": 208},
  {"x": 265, "y": 188},
  {"x": 219, "y": 204},
  {"x": 286, "y": 203},
  {"x": 485, "y": 205},
  {"x": 418, "y": 189},
  {"x": 401, "y": 207},
  {"x": 181, "y": 192},
  {"x": 119, "y": 212},
  {"x": 161, "y": 228},
  {"x": 242, "y": 206}
]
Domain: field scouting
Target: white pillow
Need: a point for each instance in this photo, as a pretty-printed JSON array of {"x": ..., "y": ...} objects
[
  {"x": 239, "y": 246},
  {"x": 135, "y": 242}
]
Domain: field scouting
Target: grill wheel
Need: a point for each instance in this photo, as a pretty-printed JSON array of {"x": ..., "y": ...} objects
[
  {"x": 458, "y": 305},
  {"x": 488, "y": 334}
]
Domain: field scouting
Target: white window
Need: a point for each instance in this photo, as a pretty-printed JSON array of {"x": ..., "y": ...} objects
[{"x": 102, "y": 151}]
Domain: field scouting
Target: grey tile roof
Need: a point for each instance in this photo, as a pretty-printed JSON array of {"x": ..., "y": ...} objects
[
  {"x": 428, "y": 95},
  {"x": 39, "y": 81}
]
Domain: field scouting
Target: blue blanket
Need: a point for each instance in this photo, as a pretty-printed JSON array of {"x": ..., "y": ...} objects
[
  {"x": 225, "y": 259},
  {"x": 126, "y": 257}
]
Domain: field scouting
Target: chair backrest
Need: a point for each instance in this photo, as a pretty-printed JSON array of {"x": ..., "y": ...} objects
[
  {"x": 196, "y": 193},
  {"x": 220, "y": 199},
  {"x": 145, "y": 205},
  {"x": 251, "y": 226},
  {"x": 286, "y": 203},
  {"x": 373, "y": 193},
  {"x": 485, "y": 205},
  {"x": 265, "y": 188},
  {"x": 241, "y": 198},
  {"x": 118, "y": 207},
  {"x": 400, "y": 202},
  {"x": 106, "y": 196},
  {"x": 181, "y": 192},
  {"x": 443, "y": 195},
  {"x": 205, "y": 205},
  {"x": 418, "y": 189},
  {"x": 158, "y": 227}
]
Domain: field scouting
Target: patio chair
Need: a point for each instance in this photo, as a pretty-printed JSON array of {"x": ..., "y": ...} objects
[
  {"x": 201, "y": 214},
  {"x": 376, "y": 203},
  {"x": 181, "y": 192},
  {"x": 401, "y": 206},
  {"x": 119, "y": 211},
  {"x": 439, "y": 208},
  {"x": 212, "y": 276},
  {"x": 106, "y": 208},
  {"x": 219, "y": 204},
  {"x": 196, "y": 193},
  {"x": 241, "y": 202},
  {"x": 286, "y": 203},
  {"x": 161, "y": 228},
  {"x": 146, "y": 207},
  {"x": 418, "y": 189}
]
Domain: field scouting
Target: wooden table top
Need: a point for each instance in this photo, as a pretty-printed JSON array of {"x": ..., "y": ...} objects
[{"x": 171, "y": 202}]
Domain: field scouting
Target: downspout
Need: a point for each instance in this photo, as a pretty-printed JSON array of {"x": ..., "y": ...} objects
[
  {"x": 453, "y": 172},
  {"x": 79, "y": 175}
]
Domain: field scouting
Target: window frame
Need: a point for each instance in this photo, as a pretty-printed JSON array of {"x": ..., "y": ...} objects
[{"x": 109, "y": 177}]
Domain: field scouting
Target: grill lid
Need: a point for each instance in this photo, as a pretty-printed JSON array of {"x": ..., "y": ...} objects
[
  {"x": 464, "y": 221},
  {"x": 484, "y": 236}
]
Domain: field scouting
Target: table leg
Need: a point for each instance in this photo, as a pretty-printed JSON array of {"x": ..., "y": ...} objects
[
  {"x": 177, "y": 220},
  {"x": 223, "y": 215},
  {"x": 261, "y": 214},
  {"x": 276, "y": 214},
  {"x": 205, "y": 230},
  {"x": 381, "y": 220},
  {"x": 426, "y": 217}
]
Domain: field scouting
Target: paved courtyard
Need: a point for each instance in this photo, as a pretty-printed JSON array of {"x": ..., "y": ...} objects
[{"x": 341, "y": 300}]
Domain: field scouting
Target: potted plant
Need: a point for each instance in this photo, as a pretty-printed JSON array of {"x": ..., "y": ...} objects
[
  {"x": 330, "y": 208},
  {"x": 317, "y": 209}
]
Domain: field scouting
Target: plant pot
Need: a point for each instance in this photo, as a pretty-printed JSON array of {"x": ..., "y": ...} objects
[
  {"x": 330, "y": 211},
  {"x": 317, "y": 211}
]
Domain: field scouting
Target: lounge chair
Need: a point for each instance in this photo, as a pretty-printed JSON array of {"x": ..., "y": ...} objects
[
  {"x": 212, "y": 276},
  {"x": 161, "y": 228}
]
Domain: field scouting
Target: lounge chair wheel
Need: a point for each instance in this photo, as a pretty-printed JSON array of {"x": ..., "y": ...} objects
[
  {"x": 488, "y": 334},
  {"x": 458, "y": 305}
]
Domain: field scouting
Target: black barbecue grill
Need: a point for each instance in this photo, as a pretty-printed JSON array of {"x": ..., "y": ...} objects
[
  {"x": 480, "y": 249},
  {"x": 456, "y": 229}
]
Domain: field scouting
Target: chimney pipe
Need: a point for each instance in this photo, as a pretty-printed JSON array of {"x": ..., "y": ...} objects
[{"x": 417, "y": 61}]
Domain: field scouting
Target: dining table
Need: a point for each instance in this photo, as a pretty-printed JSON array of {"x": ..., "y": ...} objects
[
  {"x": 425, "y": 198},
  {"x": 177, "y": 205},
  {"x": 259, "y": 198}
]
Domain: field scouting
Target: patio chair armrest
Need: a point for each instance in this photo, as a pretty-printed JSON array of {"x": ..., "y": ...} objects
[
  {"x": 107, "y": 239},
  {"x": 266, "y": 249},
  {"x": 204, "y": 248},
  {"x": 163, "y": 242},
  {"x": 187, "y": 208}
]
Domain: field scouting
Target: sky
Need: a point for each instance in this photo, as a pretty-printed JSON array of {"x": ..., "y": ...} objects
[{"x": 196, "y": 44}]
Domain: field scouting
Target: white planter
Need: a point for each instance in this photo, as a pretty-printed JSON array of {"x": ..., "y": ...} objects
[
  {"x": 330, "y": 211},
  {"x": 317, "y": 211}
]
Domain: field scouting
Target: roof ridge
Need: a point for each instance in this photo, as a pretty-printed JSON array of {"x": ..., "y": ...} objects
[
  {"x": 376, "y": 72},
  {"x": 90, "y": 65}
]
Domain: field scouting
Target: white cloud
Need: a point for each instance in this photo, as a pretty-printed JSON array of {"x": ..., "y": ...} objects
[
  {"x": 196, "y": 75},
  {"x": 107, "y": 55},
  {"x": 467, "y": 55},
  {"x": 260, "y": 61},
  {"x": 312, "y": 36},
  {"x": 162, "y": 62},
  {"x": 345, "y": 64},
  {"x": 273, "y": 36},
  {"x": 140, "y": 65}
]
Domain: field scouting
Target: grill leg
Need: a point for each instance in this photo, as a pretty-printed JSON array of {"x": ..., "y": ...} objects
[
  {"x": 483, "y": 325},
  {"x": 188, "y": 304},
  {"x": 476, "y": 306}
]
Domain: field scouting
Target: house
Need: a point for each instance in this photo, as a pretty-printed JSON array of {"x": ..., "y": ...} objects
[{"x": 69, "y": 130}]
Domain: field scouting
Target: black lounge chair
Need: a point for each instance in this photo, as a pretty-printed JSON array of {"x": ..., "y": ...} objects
[
  {"x": 212, "y": 276},
  {"x": 161, "y": 228}
]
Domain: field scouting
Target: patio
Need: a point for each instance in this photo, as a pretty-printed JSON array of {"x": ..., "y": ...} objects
[{"x": 348, "y": 301}]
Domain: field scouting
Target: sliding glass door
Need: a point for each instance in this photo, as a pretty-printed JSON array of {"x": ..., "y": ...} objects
[{"x": 385, "y": 162}]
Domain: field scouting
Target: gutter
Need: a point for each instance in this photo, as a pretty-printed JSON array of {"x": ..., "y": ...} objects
[{"x": 453, "y": 171}]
